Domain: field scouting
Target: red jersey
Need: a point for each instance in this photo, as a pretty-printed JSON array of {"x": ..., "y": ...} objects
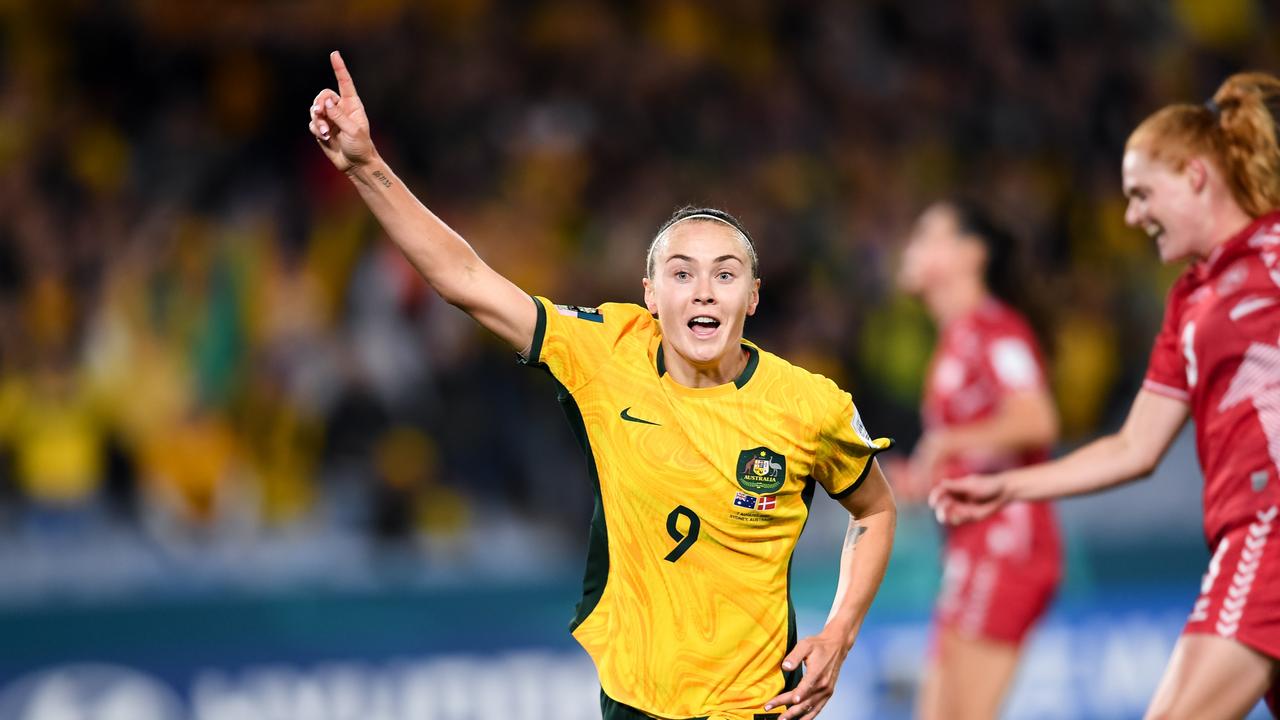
[
  {"x": 979, "y": 360},
  {"x": 1218, "y": 352},
  {"x": 1000, "y": 573}
]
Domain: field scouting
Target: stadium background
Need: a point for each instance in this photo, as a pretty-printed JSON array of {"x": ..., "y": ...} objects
[{"x": 251, "y": 468}]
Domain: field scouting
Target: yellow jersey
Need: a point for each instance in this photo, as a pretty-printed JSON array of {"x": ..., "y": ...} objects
[{"x": 701, "y": 494}]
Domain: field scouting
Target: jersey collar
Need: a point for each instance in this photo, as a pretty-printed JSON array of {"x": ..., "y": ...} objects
[
  {"x": 753, "y": 361},
  {"x": 1239, "y": 244}
]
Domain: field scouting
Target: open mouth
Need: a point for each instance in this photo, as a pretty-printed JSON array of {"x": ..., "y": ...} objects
[
  {"x": 1154, "y": 230},
  {"x": 704, "y": 326}
]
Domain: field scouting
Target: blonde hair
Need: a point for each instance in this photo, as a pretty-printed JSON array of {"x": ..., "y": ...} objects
[
  {"x": 703, "y": 214},
  {"x": 1236, "y": 129}
]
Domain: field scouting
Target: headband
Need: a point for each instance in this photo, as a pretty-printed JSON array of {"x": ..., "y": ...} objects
[
  {"x": 702, "y": 216},
  {"x": 746, "y": 239}
]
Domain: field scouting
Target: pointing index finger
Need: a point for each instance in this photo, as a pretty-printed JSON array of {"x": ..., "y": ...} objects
[{"x": 346, "y": 88}]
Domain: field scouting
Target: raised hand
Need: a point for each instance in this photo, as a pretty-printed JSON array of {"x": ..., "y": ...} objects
[
  {"x": 339, "y": 123},
  {"x": 968, "y": 499}
]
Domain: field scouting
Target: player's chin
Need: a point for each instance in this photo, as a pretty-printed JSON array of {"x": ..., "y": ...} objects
[
  {"x": 701, "y": 356},
  {"x": 1171, "y": 251}
]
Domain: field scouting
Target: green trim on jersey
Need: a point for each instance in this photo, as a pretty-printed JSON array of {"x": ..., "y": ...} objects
[
  {"x": 539, "y": 333},
  {"x": 865, "y": 471},
  {"x": 753, "y": 361},
  {"x": 596, "y": 574},
  {"x": 791, "y": 679},
  {"x": 597, "y": 568}
]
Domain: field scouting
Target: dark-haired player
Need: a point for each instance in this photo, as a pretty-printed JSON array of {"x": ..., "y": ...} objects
[{"x": 986, "y": 408}]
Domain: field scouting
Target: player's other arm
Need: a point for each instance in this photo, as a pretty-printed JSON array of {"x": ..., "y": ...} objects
[
  {"x": 444, "y": 259},
  {"x": 1024, "y": 419},
  {"x": 867, "y": 546},
  {"x": 1153, "y": 422}
]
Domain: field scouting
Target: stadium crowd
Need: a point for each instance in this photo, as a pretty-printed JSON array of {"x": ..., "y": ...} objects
[{"x": 208, "y": 352}]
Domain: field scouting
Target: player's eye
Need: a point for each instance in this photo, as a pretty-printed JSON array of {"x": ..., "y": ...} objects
[
  {"x": 725, "y": 275},
  {"x": 682, "y": 275}
]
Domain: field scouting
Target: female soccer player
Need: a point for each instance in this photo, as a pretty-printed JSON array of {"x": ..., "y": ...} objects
[
  {"x": 1203, "y": 181},
  {"x": 986, "y": 408},
  {"x": 704, "y": 452}
]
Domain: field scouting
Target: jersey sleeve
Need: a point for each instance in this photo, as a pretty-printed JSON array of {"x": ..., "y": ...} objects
[
  {"x": 1014, "y": 362},
  {"x": 574, "y": 342},
  {"x": 1167, "y": 370},
  {"x": 845, "y": 451}
]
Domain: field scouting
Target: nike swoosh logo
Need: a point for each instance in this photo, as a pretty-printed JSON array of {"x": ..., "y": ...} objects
[{"x": 631, "y": 418}]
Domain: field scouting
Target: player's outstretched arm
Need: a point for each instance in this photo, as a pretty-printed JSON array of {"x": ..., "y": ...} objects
[
  {"x": 862, "y": 565},
  {"x": 444, "y": 259},
  {"x": 1153, "y": 422}
]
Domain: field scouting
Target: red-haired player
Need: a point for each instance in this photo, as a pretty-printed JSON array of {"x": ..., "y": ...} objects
[{"x": 1203, "y": 181}]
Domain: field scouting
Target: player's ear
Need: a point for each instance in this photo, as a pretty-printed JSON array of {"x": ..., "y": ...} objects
[
  {"x": 1197, "y": 174},
  {"x": 754, "y": 299},
  {"x": 650, "y": 301}
]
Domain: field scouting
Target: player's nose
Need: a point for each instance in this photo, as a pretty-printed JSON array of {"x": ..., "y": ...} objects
[
  {"x": 703, "y": 292},
  {"x": 1132, "y": 215}
]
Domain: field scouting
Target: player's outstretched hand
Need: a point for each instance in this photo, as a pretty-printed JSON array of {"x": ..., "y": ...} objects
[
  {"x": 968, "y": 499},
  {"x": 338, "y": 121},
  {"x": 822, "y": 657}
]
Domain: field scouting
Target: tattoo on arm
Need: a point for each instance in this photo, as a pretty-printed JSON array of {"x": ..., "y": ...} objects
[
  {"x": 856, "y": 531},
  {"x": 382, "y": 178}
]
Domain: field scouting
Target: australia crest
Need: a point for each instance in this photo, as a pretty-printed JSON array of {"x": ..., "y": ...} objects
[{"x": 761, "y": 470}]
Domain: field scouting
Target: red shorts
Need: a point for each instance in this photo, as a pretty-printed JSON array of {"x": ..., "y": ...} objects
[
  {"x": 1240, "y": 592},
  {"x": 999, "y": 575}
]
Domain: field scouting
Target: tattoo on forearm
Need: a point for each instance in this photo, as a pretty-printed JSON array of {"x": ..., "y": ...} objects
[
  {"x": 382, "y": 178},
  {"x": 851, "y": 537}
]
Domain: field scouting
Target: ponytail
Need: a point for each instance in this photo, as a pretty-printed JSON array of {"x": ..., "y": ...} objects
[
  {"x": 1237, "y": 130},
  {"x": 1248, "y": 105}
]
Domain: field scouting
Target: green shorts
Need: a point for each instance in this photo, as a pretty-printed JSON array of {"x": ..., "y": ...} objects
[{"x": 611, "y": 709}]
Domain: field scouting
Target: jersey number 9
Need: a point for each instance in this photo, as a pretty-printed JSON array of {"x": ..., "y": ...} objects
[{"x": 684, "y": 540}]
